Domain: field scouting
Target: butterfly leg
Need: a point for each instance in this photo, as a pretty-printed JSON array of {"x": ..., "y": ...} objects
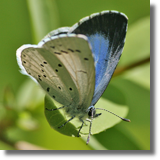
[
  {"x": 66, "y": 122},
  {"x": 89, "y": 131},
  {"x": 92, "y": 114},
  {"x": 55, "y": 108},
  {"x": 80, "y": 127}
]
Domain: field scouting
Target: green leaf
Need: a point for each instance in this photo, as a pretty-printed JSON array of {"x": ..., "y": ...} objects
[
  {"x": 137, "y": 44},
  {"x": 106, "y": 120},
  {"x": 5, "y": 146},
  {"x": 138, "y": 101},
  {"x": 140, "y": 75},
  {"x": 30, "y": 95},
  {"x": 9, "y": 98},
  {"x": 56, "y": 118},
  {"x": 44, "y": 17}
]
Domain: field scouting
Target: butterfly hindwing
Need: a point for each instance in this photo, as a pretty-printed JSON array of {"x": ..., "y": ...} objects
[
  {"x": 75, "y": 54},
  {"x": 63, "y": 66}
]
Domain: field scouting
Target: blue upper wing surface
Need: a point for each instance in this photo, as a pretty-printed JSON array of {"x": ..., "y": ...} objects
[{"x": 106, "y": 32}]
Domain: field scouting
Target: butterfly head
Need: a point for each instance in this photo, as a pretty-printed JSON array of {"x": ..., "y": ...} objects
[{"x": 92, "y": 112}]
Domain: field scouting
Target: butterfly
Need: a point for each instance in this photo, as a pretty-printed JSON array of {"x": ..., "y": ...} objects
[{"x": 75, "y": 64}]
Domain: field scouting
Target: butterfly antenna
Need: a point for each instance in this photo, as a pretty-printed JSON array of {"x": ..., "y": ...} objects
[{"x": 124, "y": 119}]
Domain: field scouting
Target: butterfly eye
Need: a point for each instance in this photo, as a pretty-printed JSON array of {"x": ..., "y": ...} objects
[
  {"x": 91, "y": 112},
  {"x": 70, "y": 89}
]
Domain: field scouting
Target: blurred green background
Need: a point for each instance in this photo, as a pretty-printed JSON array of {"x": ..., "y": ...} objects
[{"x": 22, "y": 121}]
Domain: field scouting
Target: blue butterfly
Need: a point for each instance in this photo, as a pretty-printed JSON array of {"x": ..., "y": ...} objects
[{"x": 95, "y": 42}]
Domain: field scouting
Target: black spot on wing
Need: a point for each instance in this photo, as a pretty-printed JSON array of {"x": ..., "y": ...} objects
[
  {"x": 77, "y": 50},
  {"x": 59, "y": 65},
  {"x": 70, "y": 50},
  {"x": 52, "y": 47},
  {"x": 59, "y": 87},
  {"x": 57, "y": 53},
  {"x": 64, "y": 51},
  {"x": 48, "y": 89}
]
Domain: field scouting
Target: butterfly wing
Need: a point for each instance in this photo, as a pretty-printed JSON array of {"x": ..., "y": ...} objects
[
  {"x": 61, "y": 65},
  {"x": 56, "y": 32},
  {"x": 106, "y": 33}
]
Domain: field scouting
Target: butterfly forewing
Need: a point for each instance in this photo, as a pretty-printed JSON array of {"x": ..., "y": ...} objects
[
  {"x": 106, "y": 33},
  {"x": 77, "y": 58}
]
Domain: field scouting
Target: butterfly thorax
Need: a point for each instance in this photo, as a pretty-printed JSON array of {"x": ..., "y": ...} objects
[{"x": 79, "y": 111}]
